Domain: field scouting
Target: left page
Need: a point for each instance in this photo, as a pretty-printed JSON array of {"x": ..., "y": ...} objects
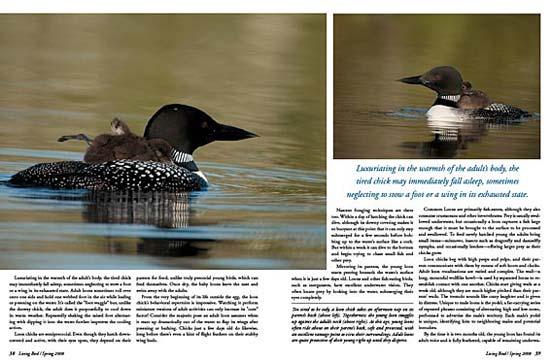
[{"x": 158, "y": 170}]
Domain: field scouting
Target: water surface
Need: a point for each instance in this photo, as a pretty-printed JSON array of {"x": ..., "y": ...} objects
[
  {"x": 377, "y": 117},
  {"x": 265, "y": 209}
]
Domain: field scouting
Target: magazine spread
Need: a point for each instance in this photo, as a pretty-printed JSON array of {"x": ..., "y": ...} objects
[{"x": 274, "y": 183}]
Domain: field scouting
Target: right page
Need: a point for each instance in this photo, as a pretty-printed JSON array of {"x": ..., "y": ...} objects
[{"x": 437, "y": 189}]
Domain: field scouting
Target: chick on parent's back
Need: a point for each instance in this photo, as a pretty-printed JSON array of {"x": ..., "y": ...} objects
[{"x": 122, "y": 144}]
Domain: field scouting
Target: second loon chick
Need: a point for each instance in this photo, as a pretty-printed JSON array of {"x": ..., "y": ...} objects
[
  {"x": 447, "y": 82},
  {"x": 185, "y": 128},
  {"x": 123, "y": 144}
]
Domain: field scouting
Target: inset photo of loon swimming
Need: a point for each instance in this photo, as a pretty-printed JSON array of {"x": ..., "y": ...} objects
[
  {"x": 163, "y": 141},
  {"x": 463, "y": 86}
]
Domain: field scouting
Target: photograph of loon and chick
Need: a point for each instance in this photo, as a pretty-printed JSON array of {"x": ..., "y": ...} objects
[
  {"x": 142, "y": 192},
  {"x": 122, "y": 161},
  {"x": 376, "y": 117}
]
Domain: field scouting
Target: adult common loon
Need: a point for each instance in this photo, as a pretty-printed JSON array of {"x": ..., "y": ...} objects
[
  {"x": 456, "y": 98},
  {"x": 122, "y": 144},
  {"x": 185, "y": 128}
]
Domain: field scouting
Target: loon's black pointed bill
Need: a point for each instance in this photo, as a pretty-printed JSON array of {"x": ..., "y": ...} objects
[
  {"x": 417, "y": 79},
  {"x": 231, "y": 133}
]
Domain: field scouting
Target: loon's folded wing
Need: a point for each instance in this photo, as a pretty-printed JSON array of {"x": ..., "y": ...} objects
[
  {"x": 47, "y": 174},
  {"x": 500, "y": 112},
  {"x": 142, "y": 175}
]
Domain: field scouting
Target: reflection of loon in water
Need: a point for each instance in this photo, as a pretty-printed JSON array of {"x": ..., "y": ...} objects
[
  {"x": 451, "y": 135},
  {"x": 162, "y": 209},
  {"x": 168, "y": 211}
]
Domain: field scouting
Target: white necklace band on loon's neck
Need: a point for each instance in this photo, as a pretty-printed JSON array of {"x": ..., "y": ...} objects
[
  {"x": 454, "y": 97},
  {"x": 186, "y": 160},
  {"x": 180, "y": 157}
]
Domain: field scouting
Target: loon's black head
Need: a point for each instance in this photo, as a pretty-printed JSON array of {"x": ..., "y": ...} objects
[
  {"x": 186, "y": 128},
  {"x": 445, "y": 80}
]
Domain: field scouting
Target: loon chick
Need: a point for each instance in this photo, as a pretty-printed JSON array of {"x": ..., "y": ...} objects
[
  {"x": 447, "y": 82},
  {"x": 122, "y": 144},
  {"x": 473, "y": 98},
  {"x": 185, "y": 128}
]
